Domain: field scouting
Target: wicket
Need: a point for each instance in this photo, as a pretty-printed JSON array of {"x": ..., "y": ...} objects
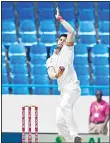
[{"x": 29, "y": 124}]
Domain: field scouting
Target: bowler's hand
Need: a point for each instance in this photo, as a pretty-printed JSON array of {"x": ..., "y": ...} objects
[
  {"x": 58, "y": 13},
  {"x": 60, "y": 71}
]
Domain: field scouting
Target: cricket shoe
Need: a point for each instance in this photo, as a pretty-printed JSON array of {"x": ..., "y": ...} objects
[{"x": 78, "y": 139}]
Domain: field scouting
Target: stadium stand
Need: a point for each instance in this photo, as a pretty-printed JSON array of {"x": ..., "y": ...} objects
[{"x": 39, "y": 31}]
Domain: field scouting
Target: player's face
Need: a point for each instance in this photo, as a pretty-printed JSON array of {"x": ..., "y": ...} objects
[
  {"x": 99, "y": 95},
  {"x": 61, "y": 42}
]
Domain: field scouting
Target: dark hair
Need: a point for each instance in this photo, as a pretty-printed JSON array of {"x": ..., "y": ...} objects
[{"x": 63, "y": 35}]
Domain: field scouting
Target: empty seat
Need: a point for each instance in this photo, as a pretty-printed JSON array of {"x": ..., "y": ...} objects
[
  {"x": 45, "y": 5},
  {"x": 9, "y": 39},
  {"x": 38, "y": 60},
  {"x": 5, "y": 90},
  {"x": 3, "y": 55},
  {"x": 4, "y": 69},
  {"x": 101, "y": 80},
  {"x": 105, "y": 39},
  {"x": 78, "y": 60},
  {"x": 100, "y": 61},
  {"x": 38, "y": 70},
  {"x": 44, "y": 29},
  {"x": 65, "y": 5},
  {"x": 29, "y": 39},
  {"x": 89, "y": 40},
  {"x": 48, "y": 40},
  {"x": 22, "y": 5},
  {"x": 17, "y": 69},
  {"x": 46, "y": 15},
  {"x": 100, "y": 50},
  {"x": 68, "y": 15},
  {"x": 86, "y": 28},
  {"x": 38, "y": 50},
  {"x": 20, "y": 79},
  {"x": 103, "y": 15},
  {"x": 55, "y": 89},
  {"x": 80, "y": 50},
  {"x": 101, "y": 71},
  {"x": 86, "y": 15},
  {"x": 26, "y": 14},
  {"x": 6, "y": 4},
  {"x": 4, "y": 79},
  {"x": 103, "y": 5},
  {"x": 84, "y": 81},
  {"x": 8, "y": 14},
  {"x": 8, "y": 27},
  {"x": 85, "y": 5},
  {"x": 27, "y": 27},
  {"x": 82, "y": 70},
  {"x": 42, "y": 80},
  {"x": 104, "y": 28}
]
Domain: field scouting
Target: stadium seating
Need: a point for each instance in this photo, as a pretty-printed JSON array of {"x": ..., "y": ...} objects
[
  {"x": 55, "y": 89},
  {"x": 103, "y": 5},
  {"x": 82, "y": 70},
  {"x": 7, "y": 5},
  {"x": 9, "y": 39},
  {"x": 38, "y": 70},
  {"x": 28, "y": 39},
  {"x": 3, "y": 55},
  {"x": 68, "y": 15},
  {"x": 47, "y": 27},
  {"x": 103, "y": 15},
  {"x": 65, "y": 6},
  {"x": 45, "y": 6},
  {"x": 101, "y": 70},
  {"x": 100, "y": 61},
  {"x": 85, "y": 5},
  {"x": 43, "y": 80},
  {"x": 80, "y": 50},
  {"x": 4, "y": 69},
  {"x": 105, "y": 39},
  {"x": 22, "y": 5},
  {"x": 20, "y": 79},
  {"x": 8, "y": 27},
  {"x": 8, "y": 14},
  {"x": 48, "y": 40},
  {"x": 104, "y": 28},
  {"x": 27, "y": 27},
  {"x": 17, "y": 69},
  {"x": 78, "y": 60},
  {"x": 39, "y": 60}
]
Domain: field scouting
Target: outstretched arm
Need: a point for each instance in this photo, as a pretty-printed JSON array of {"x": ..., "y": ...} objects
[{"x": 68, "y": 27}]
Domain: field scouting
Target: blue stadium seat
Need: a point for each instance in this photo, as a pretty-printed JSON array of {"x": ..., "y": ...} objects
[
  {"x": 22, "y": 5},
  {"x": 100, "y": 61},
  {"x": 63, "y": 30},
  {"x": 38, "y": 50},
  {"x": 85, "y": 5},
  {"x": 84, "y": 81},
  {"x": 47, "y": 27},
  {"x": 46, "y": 15},
  {"x": 55, "y": 89},
  {"x": 27, "y": 27},
  {"x": 20, "y": 79},
  {"x": 3, "y": 54},
  {"x": 6, "y": 4},
  {"x": 86, "y": 15},
  {"x": 8, "y": 27},
  {"x": 103, "y": 15},
  {"x": 45, "y": 6},
  {"x": 101, "y": 80},
  {"x": 18, "y": 69},
  {"x": 101, "y": 71},
  {"x": 41, "y": 79},
  {"x": 5, "y": 90},
  {"x": 105, "y": 39},
  {"x": 104, "y": 28},
  {"x": 52, "y": 50},
  {"x": 103, "y": 5},
  {"x": 82, "y": 70},
  {"x": 29, "y": 39},
  {"x": 38, "y": 60},
  {"x": 78, "y": 60},
  {"x": 80, "y": 50},
  {"x": 26, "y": 14},
  {"x": 48, "y": 40},
  {"x": 18, "y": 60},
  {"x": 4, "y": 79},
  {"x": 100, "y": 50},
  {"x": 8, "y": 14},
  {"x": 65, "y": 5},
  {"x": 17, "y": 49},
  {"x": 9, "y": 39},
  {"x": 68, "y": 15},
  {"x": 38, "y": 70},
  {"x": 4, "y": 69},
  {"x": 86, "y": 28},
  {"x": 89, "y": 40}
]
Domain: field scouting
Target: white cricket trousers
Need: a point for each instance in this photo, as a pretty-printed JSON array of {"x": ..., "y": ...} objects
[{"x": 64, "y": 116}]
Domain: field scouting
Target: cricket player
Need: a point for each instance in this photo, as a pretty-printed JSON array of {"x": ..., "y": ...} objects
[{"x": 60, "y": 67}]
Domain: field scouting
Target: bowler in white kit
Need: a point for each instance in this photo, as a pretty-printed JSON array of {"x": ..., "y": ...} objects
[{"x": 60, "y": 67}]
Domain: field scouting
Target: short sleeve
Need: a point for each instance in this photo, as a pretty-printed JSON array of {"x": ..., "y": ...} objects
[
  {"x": 107, "y": 110},
  {"x": 49, "y": 62}
]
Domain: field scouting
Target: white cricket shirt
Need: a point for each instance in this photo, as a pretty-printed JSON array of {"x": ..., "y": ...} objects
[{"x": 64, "y": 58}]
